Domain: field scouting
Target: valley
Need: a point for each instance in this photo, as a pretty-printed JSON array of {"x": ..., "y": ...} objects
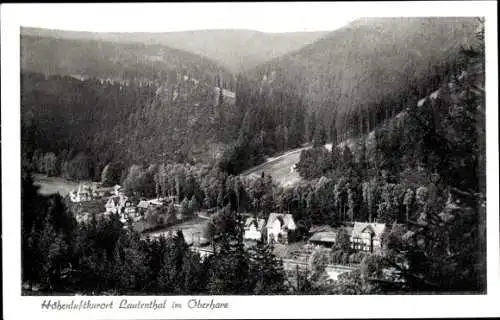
[
  {"x": 236, "y": 50},
  {"x": 237, "y": 162}
]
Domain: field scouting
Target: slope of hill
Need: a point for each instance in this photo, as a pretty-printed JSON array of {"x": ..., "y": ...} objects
[
  {"x": 236, "y": 50},
  {"x": 280, "y": 168},
  {"x": 115, "y": 61},
  {"x": 100, "y": 122},
  {"x": 285, "y": 173},
  {"x": 97, "y": 101},
  {"x": 358, "y": 75}
]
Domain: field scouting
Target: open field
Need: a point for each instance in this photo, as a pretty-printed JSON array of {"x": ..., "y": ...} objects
[
  {"x": 50, "y": 185},
  {"x": 280, "y": 167}
]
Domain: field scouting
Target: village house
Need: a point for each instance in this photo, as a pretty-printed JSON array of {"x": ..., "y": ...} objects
[
  {"x": 118, "y": 190},
  {"x": 115, "y": 204},
  {"x": 124, "y": 207},
  {"x": 143, "y": 206},
  {"x": 320, "y": 228},
  {"x": 278, "y": 227},
  {"x": 73, "y": 196},
  {"x": 100, "y": 192},
  {"x": 129, "y": 208},
  {"x": 253, "y": 228},
  {"x": 129, "y": 212},
  {"x": 194, "y": 238},
  {"x": 367, "y": 236},
  {"x": 324, "y": 238},
  {"x": 84, "y": 193}
]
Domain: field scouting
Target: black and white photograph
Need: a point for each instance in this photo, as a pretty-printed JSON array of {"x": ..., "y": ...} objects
[{"x": 206, "y": 150}]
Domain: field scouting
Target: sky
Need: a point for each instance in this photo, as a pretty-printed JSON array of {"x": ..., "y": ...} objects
[
  {"x": 164, "y": 17},
  {"x": 260, "y": 16}
]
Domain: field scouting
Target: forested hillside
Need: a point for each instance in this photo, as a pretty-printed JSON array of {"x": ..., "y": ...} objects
[
  {"x": 359, "y": 75},
  {"x": 102, "y": 122},
  {"x": 85, "y": 103},
  {"x": 236, "y": 50},
  {"x": 115, "y": 61}
]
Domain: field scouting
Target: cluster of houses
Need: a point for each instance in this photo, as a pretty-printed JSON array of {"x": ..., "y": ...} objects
[
  {"x": 93, "y": 191},
  {"x": 136, "y": 212},
  {"x": 363, "y": 236},
  {"x": 116, "y": 202},
  {"x": 124, "y": 207},
  {"x": 279, "y": 228},
  {"x": 276, "y": 229}
]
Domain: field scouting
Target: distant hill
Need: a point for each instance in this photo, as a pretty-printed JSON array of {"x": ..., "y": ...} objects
[
  {"x": 115, "y": 61},
  {"x": 360, "y": 74},
  {"x": 283, "y": 169},
  {"x": 236, "y": 50}
]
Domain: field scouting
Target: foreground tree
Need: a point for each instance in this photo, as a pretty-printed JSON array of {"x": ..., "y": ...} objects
[{"x": 267, "y": 271}]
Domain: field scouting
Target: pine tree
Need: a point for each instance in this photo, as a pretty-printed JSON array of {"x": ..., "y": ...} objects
[
  {"x": 169, "y": 278},
  {"x": 229, "y": 272},
  {"x": 347, "y": 159},
  {"x": 267, "y": 271},
  {"x": 319, "y": 139},
  {"x": 52, "y": 250},
  {"x": 362, "y": 162}
]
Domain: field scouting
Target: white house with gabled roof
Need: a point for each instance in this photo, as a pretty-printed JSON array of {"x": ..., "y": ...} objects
[
  {"x": 115, "y": 204},
  {"x": 253, "y": 228},
  {"x": 367, "y": 236},
  {"x": 278, "y": 227}
]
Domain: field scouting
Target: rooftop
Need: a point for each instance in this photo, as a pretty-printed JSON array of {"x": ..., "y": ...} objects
[
  {"x": 259, "y": 223},
  {"x": 325, "y": 236},
  {"x": 285, "y": 217},
  {"x": 361, "y": 227}
]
